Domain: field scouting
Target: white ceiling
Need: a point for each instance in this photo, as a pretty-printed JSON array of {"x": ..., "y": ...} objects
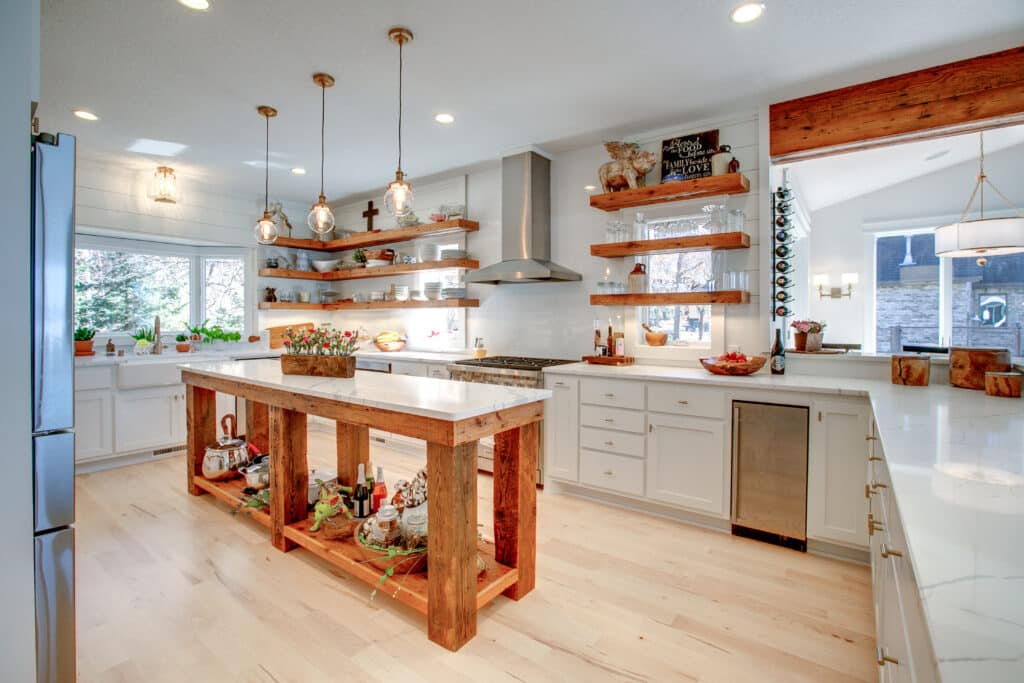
[
  {"x": 556, "y": 74},
  {"x": 833, "y": 179}
]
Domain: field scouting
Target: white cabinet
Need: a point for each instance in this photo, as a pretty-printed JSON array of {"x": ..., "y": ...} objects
[
  {"x": 411, "y": 368},
  {"x": 438, "y": 371},
  {"x": 687, "y": 463},
  {"x": 94, "y": 423},
  {"x": 836, "y": 506},
  {"x": 561, "y": 428},
  {"x": 149, "y": 418}
]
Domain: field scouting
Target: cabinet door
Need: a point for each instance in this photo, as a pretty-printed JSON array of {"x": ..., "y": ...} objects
[
  {"x": 148, "y": 418},
  {"x": 836, "y": 506},
  {"x": 400, "y": 367},
  {"x": 94, "y": 424},
  {"x": 562, "y": 428},
  {"x": 438, "y": 372},
  {"x": 687, "y": 463}
]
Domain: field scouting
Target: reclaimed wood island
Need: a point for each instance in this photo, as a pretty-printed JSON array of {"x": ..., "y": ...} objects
[{"x": 450, "y": 416}]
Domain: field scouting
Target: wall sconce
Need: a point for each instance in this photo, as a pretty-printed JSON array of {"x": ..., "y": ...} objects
[
  {"x": 824, "y": 291},
  {"x": 165, "y": 186}
]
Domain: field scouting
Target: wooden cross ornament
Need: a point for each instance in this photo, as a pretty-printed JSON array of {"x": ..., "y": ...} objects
[{"x": 369, "y": 214}]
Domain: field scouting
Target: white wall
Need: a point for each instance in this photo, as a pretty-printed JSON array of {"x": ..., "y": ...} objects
[
  {"x": 840, "y": 240},
  {"x": 19, "y": 82}
]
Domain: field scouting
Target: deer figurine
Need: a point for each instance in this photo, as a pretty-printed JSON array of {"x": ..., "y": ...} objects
[{"x": 627, "y": 168}]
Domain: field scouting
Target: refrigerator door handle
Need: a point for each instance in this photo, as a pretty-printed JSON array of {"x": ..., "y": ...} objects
[{"x": 55, "y": 607}]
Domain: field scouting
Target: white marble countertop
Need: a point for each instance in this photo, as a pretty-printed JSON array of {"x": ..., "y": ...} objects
[
  {"x": 424, "y": 356},
  {"x": 438, "y": 398},
  {"x": 241, "y": 352},
  {"x": 956, "y": 459}
]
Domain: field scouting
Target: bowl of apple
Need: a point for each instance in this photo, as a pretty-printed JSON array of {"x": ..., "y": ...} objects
[{"x": 733, "y": 363}]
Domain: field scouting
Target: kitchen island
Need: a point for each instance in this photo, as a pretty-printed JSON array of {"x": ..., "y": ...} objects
[{"x": 450, "y": 416}]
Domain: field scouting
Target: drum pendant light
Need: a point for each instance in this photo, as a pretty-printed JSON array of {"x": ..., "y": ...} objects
[
  {"x": 266, "y": 229},
  {"x": 398, "y": 199},
  {"x": 321, "y": 218},
  {"x": 982, "y": 236}
]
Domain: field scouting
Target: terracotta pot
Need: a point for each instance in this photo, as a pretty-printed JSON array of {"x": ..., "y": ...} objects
[
  {"x": 183, "y": 347},
  {"x": 800, "y": 341},
  {"x": 84, "y": 346},
  {"x": 318, "y": 366},
  {"x": 813, "y": 341}
]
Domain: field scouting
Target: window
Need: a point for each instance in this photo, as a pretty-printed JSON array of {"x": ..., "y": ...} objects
[
  {"x": 685, "y": 325},
  {"x": 121, "y": 285},
  {"x": 988, "y": 302},
  {"x": 907, "y": 291}
]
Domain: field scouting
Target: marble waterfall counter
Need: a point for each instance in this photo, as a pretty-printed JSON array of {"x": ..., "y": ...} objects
[
  {"x": 956, "y": 462},
  {"x": 450, "y": 416}
]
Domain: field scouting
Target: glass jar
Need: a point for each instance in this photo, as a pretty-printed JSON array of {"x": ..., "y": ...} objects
[
  {"x": 386, "y": 528},
  {"x": 737, "y": 220}
]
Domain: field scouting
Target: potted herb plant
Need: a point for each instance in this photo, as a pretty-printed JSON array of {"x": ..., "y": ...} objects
[
  {"x": 182, "y": 344},
  {"x": 144, "y": 338},
  {"x": 360, "y": 257},
  {"x": 195, "y": 333},
  {"x": 320, "y": 352},
  {"x": 83, "y": 340},
  {"x": 807, "y": 335}
]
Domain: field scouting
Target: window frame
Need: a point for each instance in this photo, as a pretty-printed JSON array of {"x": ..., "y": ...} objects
[{"x": 197, "y": 290}]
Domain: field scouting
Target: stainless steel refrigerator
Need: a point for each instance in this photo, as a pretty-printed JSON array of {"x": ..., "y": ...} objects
[{"x": 53, "y": 414}]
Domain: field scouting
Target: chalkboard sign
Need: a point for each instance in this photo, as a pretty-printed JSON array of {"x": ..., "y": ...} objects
[{"x": 688, "y": 156}]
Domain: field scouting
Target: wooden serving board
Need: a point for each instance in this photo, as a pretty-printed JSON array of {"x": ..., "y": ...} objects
[
  {"x": 609, "y": 360},
  {"x": 277, "y": 334}
]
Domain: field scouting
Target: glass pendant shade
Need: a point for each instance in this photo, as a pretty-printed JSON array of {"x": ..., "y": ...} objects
[
  {"x": 266, "y": 229},
  {"x": 320, "y": 219},
  {"x": 987, "y": 237},
  {"x": 165, "y": 186},
  {"x": 398, "y": 199}
]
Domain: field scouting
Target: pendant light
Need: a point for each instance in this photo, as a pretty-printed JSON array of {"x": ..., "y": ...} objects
[
  {"x": 266, "y": 229},
  {"x": 398, "y": 199},
  {"x": 165, "y": 185},
  {"x": 982, "y": 236},
  {"x": 321, "y": 218}
]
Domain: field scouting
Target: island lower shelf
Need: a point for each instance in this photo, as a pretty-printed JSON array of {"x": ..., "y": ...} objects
[{"x": 409, "y": 589}]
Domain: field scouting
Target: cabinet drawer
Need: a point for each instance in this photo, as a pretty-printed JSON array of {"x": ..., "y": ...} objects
[
  {"x": 612, "y": 472},
  {"x": 438, "y": 372},
  {"x": 399, "y": 367},
  {"x": 612, "y": 418},
  {"x": 616, "y": 393},
  {"x": 686, "y": 399},
  {"x": 87, "y": 378},
  {"x": 616, "y": 442}
]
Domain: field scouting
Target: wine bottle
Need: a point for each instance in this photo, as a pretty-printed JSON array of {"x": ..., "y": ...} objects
[
  {"x": 783, "y": 281},
  {"x": 783, "y": 266},
  {"x": 370, "y": 486},
  {"x": 361, "y": 497},
  {"x": 782, "y": 311},
  {"x": 782, "y": 221},
  {"x": 783, "y": 192},
  {"x": 778, "y": 361},
  {"x": 782, "y": 251},
  {"x": 783, "y": 297},
  {"x": 782, "y": 236},
  {"x": 380, "y": 490}
]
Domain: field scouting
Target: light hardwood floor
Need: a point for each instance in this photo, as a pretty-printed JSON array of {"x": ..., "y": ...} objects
[{"x": 174, "y": 588}]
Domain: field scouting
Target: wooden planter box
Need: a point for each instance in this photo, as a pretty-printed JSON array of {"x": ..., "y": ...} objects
[
  {"x": 318, "y": 366},
  {"x": 967, "y": 366},
  {"x": 911, "y": 371}
]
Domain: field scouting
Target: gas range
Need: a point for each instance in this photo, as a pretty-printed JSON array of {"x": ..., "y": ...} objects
[{"x": 507, "y": 370}]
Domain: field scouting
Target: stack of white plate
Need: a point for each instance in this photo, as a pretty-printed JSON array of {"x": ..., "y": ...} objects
[
  {"x": 376, "y": 296},
  {"x": 454, "y": 293},
  {"x": 432, "y": 290},
  {"x": 400, "y": 292},
  {"x": 452, "y": 254}
]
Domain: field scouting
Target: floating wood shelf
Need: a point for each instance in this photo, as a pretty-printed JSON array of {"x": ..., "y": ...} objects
[
  {"x": 374, "y": 271},
  {"x": 729, "y": 296},
  {"x": 379, "y": 237},
  {"x": 673, "y": 245},
  {"x": 730, "y": 183},
  {"x": 367, "y": 305},
  {"x": 410, "y": 589}
]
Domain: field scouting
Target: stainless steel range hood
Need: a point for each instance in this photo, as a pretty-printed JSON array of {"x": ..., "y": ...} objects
[{"x": 525, "y": 226}]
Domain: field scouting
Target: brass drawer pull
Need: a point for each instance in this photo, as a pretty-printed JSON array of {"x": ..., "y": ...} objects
[
  {"x": 871, "y": 437},
  {"x": 609, "y": 443},
  {"x": 609, "y": 395},
  {"x": 874, "y": 458},
  {"x": 608, "y": 473},
  {"x": 874, "y": 525},
  {"x": 609, "y": 420},
  {"x": 876, "y": 485},
  {"x": 683, "y": 403},
  {"x": 888, "y": 552},
  {"x": 868, "y": 491},
  {"x": 883, "y": 658}
]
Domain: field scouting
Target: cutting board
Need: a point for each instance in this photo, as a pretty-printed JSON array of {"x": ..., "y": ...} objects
[{"x": 277, "y": 333}]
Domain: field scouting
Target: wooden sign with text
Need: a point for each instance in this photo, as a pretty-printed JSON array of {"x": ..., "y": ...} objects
[{"x": 688, "y": 155}]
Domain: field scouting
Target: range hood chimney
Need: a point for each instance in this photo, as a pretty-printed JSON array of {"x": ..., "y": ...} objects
[{"x": 525, "y": 226}]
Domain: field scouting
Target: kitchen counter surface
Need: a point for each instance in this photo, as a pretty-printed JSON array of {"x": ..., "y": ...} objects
[
  {"x": 172, "y": 356},
  {"x": 437, "y": 398},
  {"x": 425, "y": 356},
  {"x": 956, "y": 459}
]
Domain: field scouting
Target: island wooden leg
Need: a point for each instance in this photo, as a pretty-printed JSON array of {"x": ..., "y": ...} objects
[
  {"x": 353, "y": 443},
  {"x": 288, "y": 475},
  {"x": 257, "y": 426},
  {"x": 201, "y": 418},
  {"x": 515, "y": 504},
  {"x": 451, "y": 551}
]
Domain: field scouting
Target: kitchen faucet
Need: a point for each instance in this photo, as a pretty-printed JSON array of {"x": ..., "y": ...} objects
[{"x": 157, "y": 346}]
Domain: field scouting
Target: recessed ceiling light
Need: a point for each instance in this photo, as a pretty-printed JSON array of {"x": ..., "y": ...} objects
[
  {"x": 444, "y": 118},
  {"x": 590, "y": 188},
  {"x": 298, "y": 170},
  {"x": 747, "y": 12},
  {"x": 160, "y": 148},
  {"x": 87, "y": 115},
  {"x": 199, "y": 5}
]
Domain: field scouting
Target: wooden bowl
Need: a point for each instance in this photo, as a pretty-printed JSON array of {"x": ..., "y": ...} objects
[
  {"x": 390, "y": 346},
  {"x": 403, "y": 564},
  {"x": 726, "y": 367},
  {"x": 656, "y": 338}
]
